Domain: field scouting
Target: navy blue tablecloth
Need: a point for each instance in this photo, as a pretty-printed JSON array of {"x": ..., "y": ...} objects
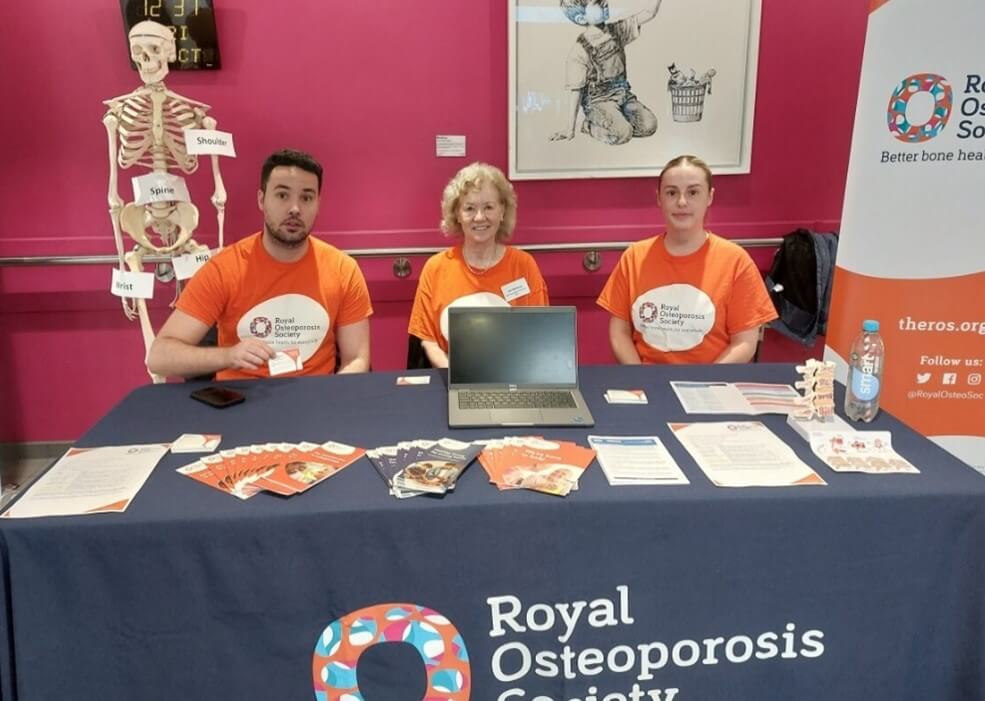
[{"x": 868, "y": 588}]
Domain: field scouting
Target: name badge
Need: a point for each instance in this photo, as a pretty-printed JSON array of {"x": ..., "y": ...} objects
[
  {"x": 209, "y": 141},
  {"x": 187, "y": 265},
  {"x": 132, "y": 285},
  {"x": 516, "y": 289},
  {"x": 159, "y": 187},
  {"x": 287, "y": 360}
]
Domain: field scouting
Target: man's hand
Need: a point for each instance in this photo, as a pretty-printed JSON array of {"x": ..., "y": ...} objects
[
  {"x": 563, "y": 135},
  {"x": 248, "y": 354}
]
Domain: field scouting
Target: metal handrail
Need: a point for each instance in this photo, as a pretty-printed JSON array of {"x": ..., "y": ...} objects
[{"x": 596, "y": 247}]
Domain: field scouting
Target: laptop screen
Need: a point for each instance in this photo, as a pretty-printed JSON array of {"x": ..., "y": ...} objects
[{"x": 512, "y": 345}]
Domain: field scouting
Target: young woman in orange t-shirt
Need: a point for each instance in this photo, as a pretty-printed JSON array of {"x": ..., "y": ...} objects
[{"x": 685, "y": 296}]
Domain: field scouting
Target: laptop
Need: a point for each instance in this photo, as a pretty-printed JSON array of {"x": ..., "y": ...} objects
[{"x": 514, "y": 366}]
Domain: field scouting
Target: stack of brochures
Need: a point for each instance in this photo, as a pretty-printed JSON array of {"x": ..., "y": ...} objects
[
  {"x": 531, "y": 462},
  {"x": 413, "y": 468},
  {"x": 281, "y": 468}
]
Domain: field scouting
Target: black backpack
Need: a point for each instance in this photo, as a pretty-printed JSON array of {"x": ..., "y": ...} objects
[{"x": 799, "y": 283}]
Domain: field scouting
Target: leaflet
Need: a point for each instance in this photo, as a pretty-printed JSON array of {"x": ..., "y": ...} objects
[
  {"x": 89, "y": 481},
  {"x": 743, "y": 454},
  {"x": 860, "y": 451},
  {"x": 735, "y": 397},
  {"x": 436, "y": 469},
  {"x": 281, "y": 468},
  {"x": 532, "y": 462},
  {"x": 636, "y": 460},
  {"x": 422, "y": 466}
]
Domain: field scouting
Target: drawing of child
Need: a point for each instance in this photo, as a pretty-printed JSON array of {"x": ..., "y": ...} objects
[{"x": 596, "y": 78}]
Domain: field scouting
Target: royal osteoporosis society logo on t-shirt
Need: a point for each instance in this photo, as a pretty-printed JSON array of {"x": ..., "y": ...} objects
[
  {"x": 479, "y": 299},
  {"x": 288, "y": 321},
  {"x": 673, "y": 317}
]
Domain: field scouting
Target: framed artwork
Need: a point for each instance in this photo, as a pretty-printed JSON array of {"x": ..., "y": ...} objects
[{"x": 616, "y": 89}]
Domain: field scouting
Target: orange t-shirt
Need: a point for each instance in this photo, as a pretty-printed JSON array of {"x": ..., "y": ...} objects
[
  {"x": 685, "y": 309},
  {"x": 249, "y": 294},
  {"x": 446, "y": 281}
]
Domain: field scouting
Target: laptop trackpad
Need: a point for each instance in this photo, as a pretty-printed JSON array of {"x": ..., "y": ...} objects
[{"x": 516, "y": 416}]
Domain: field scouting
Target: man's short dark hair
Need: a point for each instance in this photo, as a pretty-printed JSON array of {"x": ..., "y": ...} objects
[{"x": 289, "y": 157}]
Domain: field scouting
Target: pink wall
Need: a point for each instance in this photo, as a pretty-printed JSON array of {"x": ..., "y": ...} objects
[{"x": 365, "y": 87}]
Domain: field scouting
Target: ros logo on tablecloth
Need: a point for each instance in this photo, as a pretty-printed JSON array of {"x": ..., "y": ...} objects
[{"x": 336, "y": 657}]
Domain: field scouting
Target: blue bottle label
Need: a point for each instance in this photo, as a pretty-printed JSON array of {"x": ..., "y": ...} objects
[{"x": 864, "y": 385}]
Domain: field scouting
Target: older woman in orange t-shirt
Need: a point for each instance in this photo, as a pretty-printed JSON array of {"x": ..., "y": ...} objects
[{"x": 479, "y": 207}]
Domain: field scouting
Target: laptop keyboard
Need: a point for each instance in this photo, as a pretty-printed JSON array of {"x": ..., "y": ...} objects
[{"x": 531, "y": 399}]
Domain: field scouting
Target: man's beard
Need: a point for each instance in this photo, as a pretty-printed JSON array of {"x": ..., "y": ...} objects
[{"x": 285, "y": 239}]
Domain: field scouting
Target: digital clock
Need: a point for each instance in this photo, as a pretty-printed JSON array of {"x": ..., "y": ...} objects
[{"x": 191, "y": 21}]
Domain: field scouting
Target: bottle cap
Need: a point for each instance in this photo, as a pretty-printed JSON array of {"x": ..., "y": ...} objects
[{"x": 870, "y": 326}]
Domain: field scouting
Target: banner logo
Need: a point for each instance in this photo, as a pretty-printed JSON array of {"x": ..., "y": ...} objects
[
  {"x": 899, "y": 124},
  {"x": 336, "y": 657}
]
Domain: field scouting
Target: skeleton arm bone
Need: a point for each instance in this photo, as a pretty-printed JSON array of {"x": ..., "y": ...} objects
[
  {"x": 115, "y": 202},
  {"x": 219, "y": 196},
  {"x": 113, "y": 198}
]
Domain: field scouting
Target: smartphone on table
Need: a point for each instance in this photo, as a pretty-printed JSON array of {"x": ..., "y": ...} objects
[{"x": 219, "y": 397}]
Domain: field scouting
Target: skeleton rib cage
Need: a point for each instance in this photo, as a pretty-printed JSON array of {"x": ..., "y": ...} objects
[{"x": 161, "y": 148}]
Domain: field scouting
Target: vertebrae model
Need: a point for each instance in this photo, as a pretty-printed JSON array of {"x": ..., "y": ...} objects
[{"x": 146, "y": 128}]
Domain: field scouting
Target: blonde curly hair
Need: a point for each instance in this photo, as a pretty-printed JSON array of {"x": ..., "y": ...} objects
[{"x": 473, "y": 177}]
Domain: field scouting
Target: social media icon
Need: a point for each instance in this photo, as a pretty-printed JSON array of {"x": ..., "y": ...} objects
[
  {"x": 923, "y": 378},
  {"x": 950, "y": 378},
  {"x": 975, "y": 378}
]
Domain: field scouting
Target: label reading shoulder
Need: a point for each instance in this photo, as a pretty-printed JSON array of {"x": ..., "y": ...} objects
[{"x": 209, "y": 141}]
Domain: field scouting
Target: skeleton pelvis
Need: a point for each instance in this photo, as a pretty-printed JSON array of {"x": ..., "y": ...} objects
[{"x": 162, "y": 218}]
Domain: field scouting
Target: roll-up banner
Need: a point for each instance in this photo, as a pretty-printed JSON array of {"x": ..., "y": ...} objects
[{"x": 912, "y": 247}]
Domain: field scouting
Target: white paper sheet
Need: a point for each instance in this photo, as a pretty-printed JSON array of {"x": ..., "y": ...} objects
[
  {"x": 735, "y": 397},
  {"x": 743, "y": 454},
  {"x": 90, "y": 480},
  {"x": 636, "y": 460}
]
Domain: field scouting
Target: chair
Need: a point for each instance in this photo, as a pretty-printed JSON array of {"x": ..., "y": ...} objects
[{"x": 417, "y": 358}]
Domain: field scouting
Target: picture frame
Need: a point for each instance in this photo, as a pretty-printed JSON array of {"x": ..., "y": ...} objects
[{"x": 595, "y": 96}]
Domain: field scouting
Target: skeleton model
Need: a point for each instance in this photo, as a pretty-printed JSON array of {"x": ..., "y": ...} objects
[
  {"x": 818, "y": 386},
  {"x": 146, "y": 128}
]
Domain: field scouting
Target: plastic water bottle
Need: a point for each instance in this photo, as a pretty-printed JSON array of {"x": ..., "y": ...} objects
[{"x": 865, "y": 373}]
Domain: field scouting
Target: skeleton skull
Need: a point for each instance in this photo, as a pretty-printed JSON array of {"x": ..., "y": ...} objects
[{"x": 152, "y": 46}]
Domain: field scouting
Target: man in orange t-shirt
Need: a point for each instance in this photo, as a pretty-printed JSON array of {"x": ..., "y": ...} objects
[
  {"x": 686, "y": 309},
  {"x": 277, "y": 291}
]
